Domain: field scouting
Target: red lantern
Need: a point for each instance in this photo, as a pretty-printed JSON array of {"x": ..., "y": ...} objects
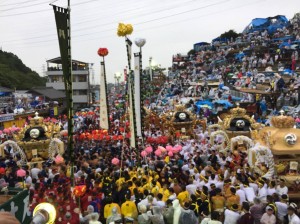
[
  {"x": 102, "y": 52},
  {"x": 79, "y": 191},
  {"x": 107, "y": 138}
]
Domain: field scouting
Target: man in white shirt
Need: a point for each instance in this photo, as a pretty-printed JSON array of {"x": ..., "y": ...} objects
[
  {"x": 293, "y": 218},
  {"x": 232, "y": 215},
  {"x": 282, "y": 207},
  {"x": 262, "y": 191},
  {"x": 35, "y": 171},
  {"x": 240, "y": 193},
  {"x": 191, "y": 187},
  {"x": 281, "y": 188}
]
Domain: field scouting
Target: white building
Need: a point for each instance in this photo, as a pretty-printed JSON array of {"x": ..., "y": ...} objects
[{"x": 81, "y": 85}]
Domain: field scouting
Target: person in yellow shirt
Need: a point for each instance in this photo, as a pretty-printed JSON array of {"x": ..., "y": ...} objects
[
  {"x": 183, "y": 196},
  {"x": 233, "y": 199},
  {"x": 109, "y": 206},
  {"x": 128, "y": 208},
  {"x": 154, "y": 188},
  {"x": 165, "y": 192},
  {"x": 218, "y": 201}
]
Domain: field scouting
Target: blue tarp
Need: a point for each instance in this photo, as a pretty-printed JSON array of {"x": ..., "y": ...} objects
[
  {"x": 259, "y": 22},
  {"x": 219, "y": 39},
  {"x": 239, "y": 56},
  {"x": 201, "y": 103},
  {"x": 271, "y": 24},
  {"x": 225, "y": 103},
  {"x": 284, "y": 44}
]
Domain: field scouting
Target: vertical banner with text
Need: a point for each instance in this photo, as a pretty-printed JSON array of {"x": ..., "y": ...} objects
[
  {"x": 103, "y": 100},
  {"x": 137, "y": 94}
]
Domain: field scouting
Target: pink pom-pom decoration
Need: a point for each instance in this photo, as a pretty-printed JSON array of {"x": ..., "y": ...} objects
[
  {"x": 59, "y": 159},
  {"x": 297, "y": 119},
  {"x": 169, "y": 148},
  {"x": 115, "y": 161},
  {"x": 170, "y": 153},
  {"x": 162, "y": 149},
  {"x": 158, "y": 152},
  {"x": 21, "y": 173},
  {"x": 6, "y": 130},
  {"x": 149, "y": 149},
  {"x": 143, "y": 153}
]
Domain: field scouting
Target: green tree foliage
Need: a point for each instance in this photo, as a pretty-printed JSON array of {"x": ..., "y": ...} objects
[
  {"x": 14, "y": 74},
  {"x": 229, "y": 34},
  {"x": 191, "y": 52}
]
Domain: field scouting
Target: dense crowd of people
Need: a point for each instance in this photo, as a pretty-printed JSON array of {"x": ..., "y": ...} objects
[{"x": 185, "y": 181}]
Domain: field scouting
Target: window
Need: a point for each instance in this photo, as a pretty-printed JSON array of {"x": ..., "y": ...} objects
[
  {"x": 82, "y": 78},
  {"x": 55, "y": 79},
  {"x": 82, "y": 92}
]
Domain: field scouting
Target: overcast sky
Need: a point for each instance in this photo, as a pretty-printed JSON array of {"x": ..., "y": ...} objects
[{"x": 170, "y": 26}]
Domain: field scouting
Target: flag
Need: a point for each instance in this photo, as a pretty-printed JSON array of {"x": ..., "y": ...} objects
[
  {"x": 103, "y": 100},
  {"x": 63, "y": 33},
  {"x": 137, "y": 93},
  {"x": 128, "y": 47},
  {"x": 131, "y": 113}
]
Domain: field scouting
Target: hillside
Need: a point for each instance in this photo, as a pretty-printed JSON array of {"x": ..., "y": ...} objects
[{"x": 14, "y": 74}]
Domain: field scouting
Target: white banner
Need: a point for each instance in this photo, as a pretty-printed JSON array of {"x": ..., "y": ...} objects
[
  {"x": 103, "y": 100},
  {"x": 137, "y": 94},
  {"x": 131, "y": 117}
]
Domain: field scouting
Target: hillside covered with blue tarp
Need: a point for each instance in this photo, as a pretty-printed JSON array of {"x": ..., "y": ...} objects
[{"x": 271, "y": 24}]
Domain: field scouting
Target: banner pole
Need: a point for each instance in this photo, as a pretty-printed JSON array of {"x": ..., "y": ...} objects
[{"x": 70, "y": 99}]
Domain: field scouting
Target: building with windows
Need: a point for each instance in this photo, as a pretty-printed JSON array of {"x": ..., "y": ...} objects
[{"x": 81, "y": 84}]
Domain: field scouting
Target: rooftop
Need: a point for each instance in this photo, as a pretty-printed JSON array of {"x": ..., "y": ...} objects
[
  {"x": 48, "y": 92},
  {"x": 58, "y": 61}
]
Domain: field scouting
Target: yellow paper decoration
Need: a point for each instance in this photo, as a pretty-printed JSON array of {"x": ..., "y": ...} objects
[{"x": 124, "y": 29}]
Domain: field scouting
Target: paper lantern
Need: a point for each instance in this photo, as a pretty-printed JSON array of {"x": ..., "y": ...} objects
[
  {"x": 158, "y": 152},
  {"x": 59, "y": 159},
  {"x": 115, "y": 161},
  {"x": 79, "y": 191},
  {"x": 102, "y": 52},
  {"x": 2, "y": 170},
  {"x": 140, "y": 42},
  {"x": 143, "y": 153},
  {"x": 149, "y": 149},
  {"x": 21, "y": 173},
  {"x": 170, "y": 153}
]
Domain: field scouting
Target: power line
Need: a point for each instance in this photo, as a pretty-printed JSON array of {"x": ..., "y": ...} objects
[
  {"x": 155, "y": 27},
  {"x": 96, "y": 26},
  {"x": 19, "y": 3},
  {"x": 42, "y": 10},
  {"x": 25, "y": 6}
]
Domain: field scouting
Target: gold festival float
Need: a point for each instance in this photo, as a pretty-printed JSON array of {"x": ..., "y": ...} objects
[
  {"x": 273, "y": 151},
  {"x": 173, "y": 122},
  {"x": 37, "y": 141},
  {"x": 282, "y": 140}
]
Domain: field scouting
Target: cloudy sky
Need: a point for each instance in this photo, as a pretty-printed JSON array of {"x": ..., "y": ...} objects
[{"x": 170, "y": 26}]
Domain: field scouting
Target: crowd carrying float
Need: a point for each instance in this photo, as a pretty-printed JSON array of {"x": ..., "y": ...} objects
[
  {"x": 37, "y": 142},
  {"x": 273, "y": 151}
]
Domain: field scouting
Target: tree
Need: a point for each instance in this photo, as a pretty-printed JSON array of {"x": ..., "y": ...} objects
[
  {"x": 229, "y": 34},
  {"x": 191, "y": 52}
]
